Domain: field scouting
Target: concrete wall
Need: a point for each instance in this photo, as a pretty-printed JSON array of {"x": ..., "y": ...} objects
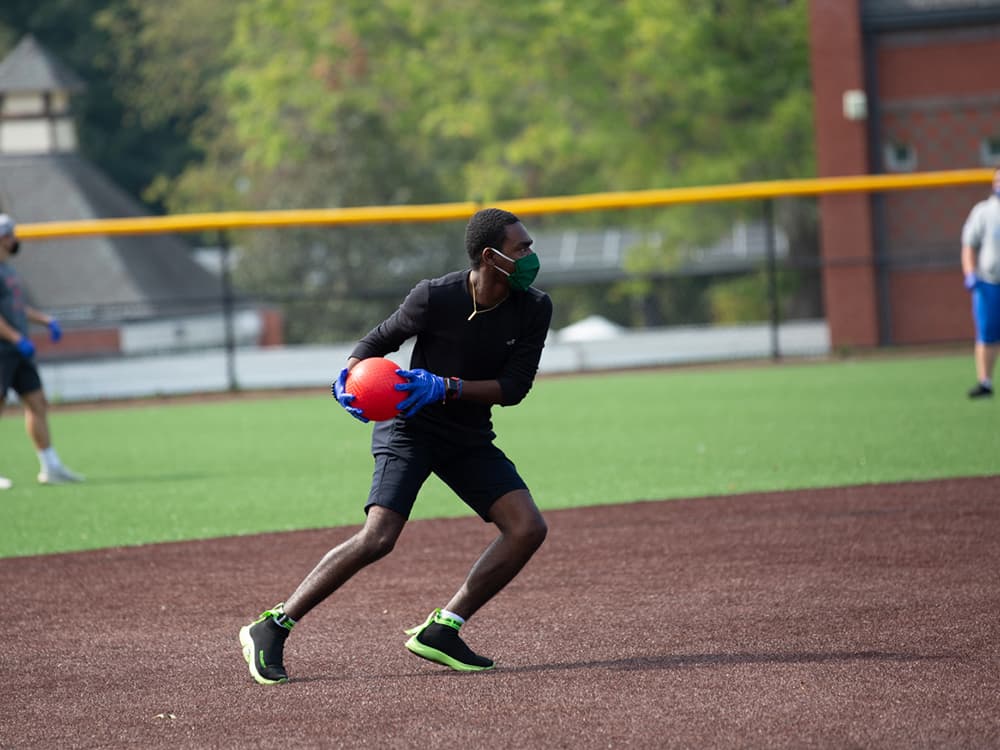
[{"x": 316, "y": 367}]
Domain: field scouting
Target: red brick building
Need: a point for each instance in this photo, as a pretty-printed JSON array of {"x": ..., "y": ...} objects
[{"x": 900, "y": 86}]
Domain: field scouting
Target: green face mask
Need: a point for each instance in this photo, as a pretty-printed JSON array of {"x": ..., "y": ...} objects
[{"x": 525, "y": 270}]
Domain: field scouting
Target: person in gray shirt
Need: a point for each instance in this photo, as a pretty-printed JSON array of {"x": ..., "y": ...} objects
[
  {"x": 18, "y": 371},
  {"x": 981, "y": 267}
]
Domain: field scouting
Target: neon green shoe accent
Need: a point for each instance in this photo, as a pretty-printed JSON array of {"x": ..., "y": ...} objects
[
  {"x": 417, "y": 628},
  {"x": 437, "y": 617},
  {"x": 439, "y": 657},
  {"x": 440, "y": 619},
  {"x": 432, "y": 654},
  {"x": 278, "y": 613}
]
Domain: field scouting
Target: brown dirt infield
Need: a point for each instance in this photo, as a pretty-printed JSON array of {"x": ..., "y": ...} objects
[{"x": 848, "y": 617}]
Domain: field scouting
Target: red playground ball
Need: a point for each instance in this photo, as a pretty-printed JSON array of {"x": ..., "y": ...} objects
[{"x": 373, "y": 383}]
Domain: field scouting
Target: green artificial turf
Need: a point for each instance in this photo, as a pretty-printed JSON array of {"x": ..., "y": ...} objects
[{"x": 183, "y": 471}]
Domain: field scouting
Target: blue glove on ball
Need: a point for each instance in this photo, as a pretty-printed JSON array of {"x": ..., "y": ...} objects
[
  {"x": 424, "y": 387},
  {"x": 344, "y": 398},
  {"x": 25, "y": 347},
  {"x": 55, "y": 332},
  {"x": 971, "y": 280}
]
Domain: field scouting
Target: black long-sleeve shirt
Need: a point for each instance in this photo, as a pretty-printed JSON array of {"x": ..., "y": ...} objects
[{"x": 504, "y": 344}]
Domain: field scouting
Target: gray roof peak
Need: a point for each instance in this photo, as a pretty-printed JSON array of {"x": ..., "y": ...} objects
[{"x": 30, "y": 67}]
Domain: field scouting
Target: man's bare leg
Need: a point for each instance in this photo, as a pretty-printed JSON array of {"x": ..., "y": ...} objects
[{"x": 522, "y": 531}]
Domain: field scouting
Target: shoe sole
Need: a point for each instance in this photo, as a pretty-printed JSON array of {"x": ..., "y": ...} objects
[
  {"x": 440, "y": 657},
  {"x": 53, "y": 481},
  {"x": 247, "y": 643}
]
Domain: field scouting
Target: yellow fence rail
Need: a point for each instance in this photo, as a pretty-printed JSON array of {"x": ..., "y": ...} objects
[{"x": 523, "y": 207}]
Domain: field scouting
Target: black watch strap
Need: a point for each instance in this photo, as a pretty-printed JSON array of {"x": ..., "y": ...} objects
[{"x": 452, "y": 388}]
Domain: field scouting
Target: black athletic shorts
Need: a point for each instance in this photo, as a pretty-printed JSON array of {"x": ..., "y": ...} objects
[
  {"x": 479, "y": 474},
  {"x": 17, "y": 373}
]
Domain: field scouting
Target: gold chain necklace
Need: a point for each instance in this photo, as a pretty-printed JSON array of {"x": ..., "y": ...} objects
[{"x": 476, "y": 310}]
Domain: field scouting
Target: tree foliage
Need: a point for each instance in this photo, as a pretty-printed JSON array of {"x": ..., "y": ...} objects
[
  {"x": 114, "y": 131},
  {"x": 307, "y": 103},
  {"x": 402, "y": 101}
]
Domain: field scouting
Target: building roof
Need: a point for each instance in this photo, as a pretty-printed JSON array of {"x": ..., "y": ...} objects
[
  {"x": 29, "y": 67},
  {"x": 127, "y": 276}
]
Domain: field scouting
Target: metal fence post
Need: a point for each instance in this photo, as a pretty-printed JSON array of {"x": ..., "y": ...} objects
[
  {"x": 228, "y": 311},
  {"x": 772, "y": 277}
]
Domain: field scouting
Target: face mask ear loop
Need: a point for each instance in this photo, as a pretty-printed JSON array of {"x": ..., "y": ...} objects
[
  {"x": 494, "y": 250},
  {"x": 505, "y": 273}
]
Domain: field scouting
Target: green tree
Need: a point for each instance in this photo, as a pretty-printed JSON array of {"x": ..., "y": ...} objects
[
  {"x": 535, "y": 98},
  {"x": 306, "y": 103},
  {"x": 165, "y": 63},
  {"x": 132, "y": 149}
]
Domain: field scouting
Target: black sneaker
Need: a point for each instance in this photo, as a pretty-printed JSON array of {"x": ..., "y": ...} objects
[
  {"x": 437, "y": 640},
  {"x": 263, "y": 643},
  {"x": 981, "y": 391}
]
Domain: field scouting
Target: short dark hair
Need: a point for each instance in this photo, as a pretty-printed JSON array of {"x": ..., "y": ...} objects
[{"x": 486, "y": 228}]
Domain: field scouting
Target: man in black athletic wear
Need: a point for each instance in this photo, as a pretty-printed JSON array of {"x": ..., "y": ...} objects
[{"x": 479, "y": 337}]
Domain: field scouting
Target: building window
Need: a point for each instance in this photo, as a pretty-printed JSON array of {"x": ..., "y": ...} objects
[
  {"x": 899, "y": 157},
  {"x": 989, "y": 151}
]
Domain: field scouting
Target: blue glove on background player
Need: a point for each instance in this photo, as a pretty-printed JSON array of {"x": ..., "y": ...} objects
[
  {"x": 55, "y": 332},
  {"x": 424, "y": 387},
  {"x": 25, "y": 347},
  {"x": 971, "y": 280},
  {"x": 344, "y": 398}
]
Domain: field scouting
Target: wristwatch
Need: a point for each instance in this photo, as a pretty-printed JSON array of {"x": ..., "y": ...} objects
[{"x": 452, "y": 388}]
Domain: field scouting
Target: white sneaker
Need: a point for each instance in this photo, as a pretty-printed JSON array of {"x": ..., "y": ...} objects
[
  {"x": 58, "y": 475},
  {"x": 5, "y": 483}
]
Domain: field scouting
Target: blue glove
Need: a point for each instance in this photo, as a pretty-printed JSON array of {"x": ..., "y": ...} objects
[
  {"x": 55, "y": 332},
  {"x": 25, "y": 347},
  {"x": 424, "y": 387},
  {"x": 344, "y": 398},
  {"x": 971, "y": 280}
]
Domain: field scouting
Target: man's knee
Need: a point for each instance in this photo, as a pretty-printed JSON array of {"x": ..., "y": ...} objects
[
  {"x": 533, "y": 532},
  {"x": 378, "y": 536},
  {"x": 34, "y": 402},
  {"x": 519, "y": 519},
  {"x": 375, "y": 544}
]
